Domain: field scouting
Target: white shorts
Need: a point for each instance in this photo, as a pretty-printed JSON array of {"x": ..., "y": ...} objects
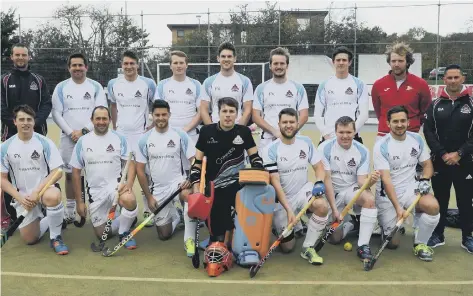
[
  {"x": 296, "y": 202},
  {"x": 31, "y": 216},
  {"x": 342, "y": 198},
  {"x": 169, "y": 212},
  {"x": 387, "y": 216},
  {"x": 66, "y": 148},
  {"x": 99, "y": 208},
  {"x": 186, "y": 165}
]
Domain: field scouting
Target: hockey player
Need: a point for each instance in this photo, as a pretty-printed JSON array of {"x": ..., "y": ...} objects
[
  {"x": 287, "y": 160},
  {"x": 396, "y": 156}
]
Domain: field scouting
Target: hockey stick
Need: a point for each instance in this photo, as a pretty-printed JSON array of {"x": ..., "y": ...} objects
[
  {"x": 82, "y": 219},
  {"x": 344, "y": 212},
  {"x": 196, "y": 257},
  {"x": 368, "y": 264},
  {"x": 254, "y": 269},
  {"x": 111, "y": 212},
  {"x": 107, "y": 252},
  {"x": 20, "y": 219}
]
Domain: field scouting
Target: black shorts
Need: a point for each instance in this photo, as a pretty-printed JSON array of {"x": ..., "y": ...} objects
[{"x": 221, "y": 216}]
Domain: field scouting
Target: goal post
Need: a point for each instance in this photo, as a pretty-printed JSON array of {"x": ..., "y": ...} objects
[{"x": 200, "y": 71}]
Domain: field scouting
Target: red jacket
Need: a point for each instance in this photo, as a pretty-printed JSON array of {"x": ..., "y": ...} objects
[{"x": 413, "y": 93}]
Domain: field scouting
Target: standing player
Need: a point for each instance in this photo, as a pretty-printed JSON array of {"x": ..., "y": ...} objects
[
  {"x": 341, "y": 95},
  {"x": 396, "y": 156},
  {"x": 32, "y": 159},
  {"x": 130, "y": 97},
  {"x": 347, "y": 164},
  {"x": 287, "y": 161},
  {"x": 276, "y": 94},
  {"x": 223, "y": 144},
  {"x": 182, "y": 93},
  {"x": 226, "y": 83},
  {"x": 102, "y": 154},
  {"x": 161, "y": 150},
  {"x": 400, "y": 87},
  {"x": 183, "y": 96},
  {"x": 448, "y": 132},
  {"x": 73, "y": 101}
]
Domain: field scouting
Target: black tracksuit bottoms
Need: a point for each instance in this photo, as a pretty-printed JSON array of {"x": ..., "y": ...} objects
[{"x": 462, "y": 178}]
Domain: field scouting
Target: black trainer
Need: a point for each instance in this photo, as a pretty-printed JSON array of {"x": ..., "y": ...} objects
[
  {"x": 467, "y": 243},
  {"x": 364, "y": 252},
  {"x": 436, "y": 240}
]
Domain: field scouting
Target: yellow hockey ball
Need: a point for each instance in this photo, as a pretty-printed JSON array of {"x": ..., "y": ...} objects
[{"x": 347, "y": 246}]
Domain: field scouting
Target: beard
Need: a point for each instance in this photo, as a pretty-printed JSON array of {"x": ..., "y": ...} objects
[{"x": 288, "y": 136}]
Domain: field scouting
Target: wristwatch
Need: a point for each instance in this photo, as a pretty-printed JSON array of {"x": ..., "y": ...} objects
[
  {"x": 460, "y": 153},
  {"x": 85, "y": 131}
]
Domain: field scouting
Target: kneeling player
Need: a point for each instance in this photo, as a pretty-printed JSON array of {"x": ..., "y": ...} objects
[
  {"x": 224, "y": 144},
  {"x": 286, "y": 159},
  {"x": 160, "y": 149},
  {"x": 347, "y": 163},
  {"x": 396, "y": 156},
  {"x": 102, "y": 153},
  {"x": 32, "y": 159}
]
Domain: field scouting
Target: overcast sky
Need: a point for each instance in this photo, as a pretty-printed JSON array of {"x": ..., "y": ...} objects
[{"x": 453, "y": 17}]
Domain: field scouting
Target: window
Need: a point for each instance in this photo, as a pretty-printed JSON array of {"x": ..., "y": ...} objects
[
  {"x": 180, "y": 33},
  {"x": 225, "y": 35},
  {"x": 303, "y": 23}
]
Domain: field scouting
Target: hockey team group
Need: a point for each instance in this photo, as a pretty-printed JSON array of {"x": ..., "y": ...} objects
[{"x": 197, "y": 162}]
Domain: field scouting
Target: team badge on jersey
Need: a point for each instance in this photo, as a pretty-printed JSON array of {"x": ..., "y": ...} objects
[
  {"x": 465, "y": 109},
  {"x": 235, "y": 88},
  {"x": 17, "y": 155},
  {"x": 289, "y": 94},
  {"x": 110, "y": 148},
  {"x": 150, "y": 145},
  {"x": 189, "y": 92},
  {"x": 302, "y": 155},
  {"x": 138, "y": 94},
  {"x": 349, "y": 91},
  {"x": 35, "y": 155},
  {"x": 171, "y": 144},
  {"x": 238, "y": 140},
  {"x": 89, "y": 150},
  {"x": 33, "y": 86},
  {"x": 351, "y": 163},
  {"x": 87, "y": 96},
  {"x": 414, "y": 152}
]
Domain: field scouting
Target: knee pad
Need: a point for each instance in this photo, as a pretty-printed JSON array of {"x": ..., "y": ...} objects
[{"x": 254, "y": 207}]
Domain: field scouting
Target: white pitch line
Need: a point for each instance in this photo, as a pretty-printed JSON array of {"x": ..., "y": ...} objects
[{"x": 239, "y": 282}]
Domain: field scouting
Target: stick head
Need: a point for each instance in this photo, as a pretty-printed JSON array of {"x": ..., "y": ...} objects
[
  {"x": 80, "y": 223},
  {"x": 106, "y": 252},
  {"x": 97, "y": 248},
  {"x": 196, "y": 259},
  {"x": 253, "y": 271}
]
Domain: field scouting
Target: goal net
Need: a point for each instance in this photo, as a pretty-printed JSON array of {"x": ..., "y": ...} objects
[{"x": 257, "y": 72}]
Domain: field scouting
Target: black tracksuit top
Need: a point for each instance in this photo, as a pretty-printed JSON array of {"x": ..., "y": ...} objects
[{"x": 448, "y": 126}]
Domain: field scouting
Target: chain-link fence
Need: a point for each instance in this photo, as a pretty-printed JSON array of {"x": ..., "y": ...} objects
[{"x": 426, "y": 27}]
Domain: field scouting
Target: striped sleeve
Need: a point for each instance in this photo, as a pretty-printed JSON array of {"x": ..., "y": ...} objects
[{"x": 270, "y": 157}]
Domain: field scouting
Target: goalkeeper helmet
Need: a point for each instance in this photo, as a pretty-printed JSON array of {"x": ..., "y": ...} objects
[{"x": 217, "y": 259}]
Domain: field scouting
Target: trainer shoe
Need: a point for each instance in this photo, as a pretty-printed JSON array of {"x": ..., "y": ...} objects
[
  {"x": 189, "y": 246},
  {"x": 424, "y": 252},
  {"x": 311, "y": 255},
  {"x": 151, "y": 222},
  {"x": 364, "y": 252},
  {"x": 436, "y": 240},
  {"x": 59, "y": 246},
  {"x": 467, "y": 243},
  {"x": 131, "y": 244}
]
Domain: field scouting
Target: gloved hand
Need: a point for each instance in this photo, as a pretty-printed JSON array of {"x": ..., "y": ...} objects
[
  {"x": 319, "y": 189},
  {"x": 424, "y": 186}
]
